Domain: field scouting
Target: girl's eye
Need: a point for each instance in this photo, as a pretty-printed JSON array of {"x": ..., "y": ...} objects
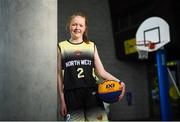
[
  {"x": 81, "y": 25},
  {"x": 73, "y": 24}
]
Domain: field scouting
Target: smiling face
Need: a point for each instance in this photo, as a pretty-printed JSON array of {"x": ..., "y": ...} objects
[{"x": 77, "y": 27}]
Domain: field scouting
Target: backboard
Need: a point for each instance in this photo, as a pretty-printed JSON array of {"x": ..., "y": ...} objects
[{"x": 152, "y": 34}]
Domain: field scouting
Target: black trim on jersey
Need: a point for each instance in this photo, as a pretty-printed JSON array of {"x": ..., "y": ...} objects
[
  {"x": 59, "y": 47},
  {"x": 74, "y": 43}
]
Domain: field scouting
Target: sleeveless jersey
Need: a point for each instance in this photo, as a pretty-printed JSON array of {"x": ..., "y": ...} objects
[{"x": 77, "y": 64}]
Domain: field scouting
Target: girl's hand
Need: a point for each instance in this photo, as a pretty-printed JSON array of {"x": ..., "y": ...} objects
[
  {"x": 63, "y": 109},
  {"x": 123, "y": 87}
]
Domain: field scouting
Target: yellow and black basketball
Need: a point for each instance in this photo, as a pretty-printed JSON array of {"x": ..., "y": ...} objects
[{"x": 109, "y": 91}]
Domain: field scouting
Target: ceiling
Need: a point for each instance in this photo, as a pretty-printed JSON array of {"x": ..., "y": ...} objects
[{"x": 118, "y": 7}]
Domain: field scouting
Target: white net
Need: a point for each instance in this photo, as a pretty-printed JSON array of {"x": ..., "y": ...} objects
[{"x": 142, "y": 54}]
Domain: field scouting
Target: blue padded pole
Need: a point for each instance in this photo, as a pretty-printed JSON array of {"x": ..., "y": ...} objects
[{"x": 163, "y": 84}]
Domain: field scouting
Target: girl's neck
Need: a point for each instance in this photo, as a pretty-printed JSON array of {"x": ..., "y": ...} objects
[{"x": 75, "y": 40}]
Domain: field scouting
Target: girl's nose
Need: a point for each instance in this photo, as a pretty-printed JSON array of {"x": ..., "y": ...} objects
[{"x": 77, "y": 26}]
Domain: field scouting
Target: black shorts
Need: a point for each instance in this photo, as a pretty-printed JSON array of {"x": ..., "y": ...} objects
[
  {"x": 82, "y": 98},
  {"x": 84, "y": 105}
]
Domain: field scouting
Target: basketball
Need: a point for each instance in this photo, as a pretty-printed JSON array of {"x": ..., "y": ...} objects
[{"x": 109, "y": 91}]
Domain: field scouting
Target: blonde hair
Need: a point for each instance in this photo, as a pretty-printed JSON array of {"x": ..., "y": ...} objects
[{"x": 85, "y": 34}]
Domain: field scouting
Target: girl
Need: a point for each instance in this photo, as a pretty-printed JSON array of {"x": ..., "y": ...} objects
[{"x": 78, "y": 60}]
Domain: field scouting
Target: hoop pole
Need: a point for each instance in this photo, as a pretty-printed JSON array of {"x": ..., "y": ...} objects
[{"x": 163, "y": 84}]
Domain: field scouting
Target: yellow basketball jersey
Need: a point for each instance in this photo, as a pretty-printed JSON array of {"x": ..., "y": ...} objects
[{"x": 77, "y": 64}]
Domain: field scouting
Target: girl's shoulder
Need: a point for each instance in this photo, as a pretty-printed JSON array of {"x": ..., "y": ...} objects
[
  {"x": 63, "y": 42},
  {"x": 91, "y": 42}
]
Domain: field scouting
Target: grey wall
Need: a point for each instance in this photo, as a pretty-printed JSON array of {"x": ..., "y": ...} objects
[
  {"x": 100, "y": 31},
  {"x": 28, "y": 37}
]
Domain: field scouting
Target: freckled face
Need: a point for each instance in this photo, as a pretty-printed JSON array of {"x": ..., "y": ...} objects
[{"x": 77, "y": 27}]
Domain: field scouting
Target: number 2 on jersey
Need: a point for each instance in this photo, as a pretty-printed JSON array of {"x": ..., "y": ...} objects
[{"x": 80, "y": 72}]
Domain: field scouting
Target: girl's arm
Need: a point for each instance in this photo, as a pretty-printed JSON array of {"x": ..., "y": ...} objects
[
  {"x": 104, "y": 74},
  {"x": 60, "y": 86}
]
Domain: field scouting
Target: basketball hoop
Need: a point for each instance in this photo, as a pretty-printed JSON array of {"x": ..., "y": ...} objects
[
  {"x": 151, "y": 45},
  {"x": 148, "y": 46},
  {"x": 142, "y": 54},
  {"x": 156, "y": 30}
]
